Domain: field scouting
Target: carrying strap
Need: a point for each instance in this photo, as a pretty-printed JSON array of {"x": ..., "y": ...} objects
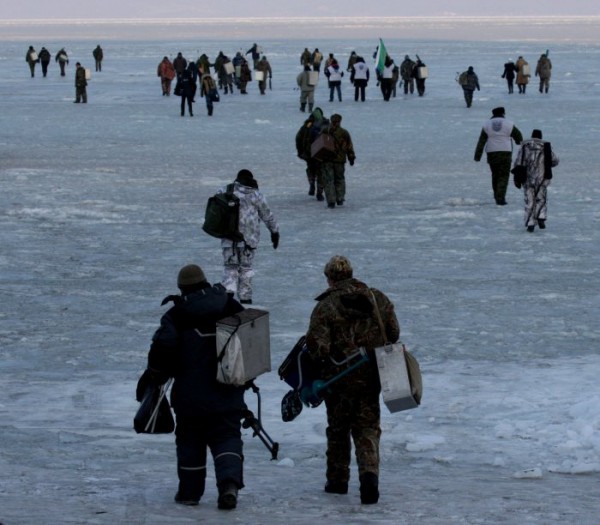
[
  {"x": 379, "y": 320},
  {"x": 224, "y": 349}
]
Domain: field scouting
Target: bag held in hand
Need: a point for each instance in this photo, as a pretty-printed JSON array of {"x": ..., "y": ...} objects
[
  {"x": 222, "y": 216},
  {"x": 154, "y": 415}
]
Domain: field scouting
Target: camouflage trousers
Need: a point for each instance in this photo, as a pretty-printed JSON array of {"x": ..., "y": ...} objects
[
  {"x": 352, "y": 415},
  {"x": 237, "y": 270},
  {"x": 334, "y": 182},
  {"x": 536, "y": 204},
  {"x": 499, "y": 162}
]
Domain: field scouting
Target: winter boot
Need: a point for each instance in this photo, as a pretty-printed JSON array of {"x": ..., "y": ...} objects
[
  {"x": 228, "y": 497},
  {"x": 310, "y": 107},
  {"x": 542, "y": 223},
  {"x": 369, "y": 488},
  {"x": 336, "y": 487},
  {"x": 311, "y": 190},
  {"x": 303, "y": 107}
]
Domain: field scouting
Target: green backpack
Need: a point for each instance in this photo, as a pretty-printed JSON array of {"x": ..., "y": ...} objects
[{"x": 222, "y": 215}]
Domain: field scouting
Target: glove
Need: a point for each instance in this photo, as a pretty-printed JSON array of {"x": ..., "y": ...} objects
[
  {"x": 275, "y": 239},
  {"x": 351, "y": 161}
]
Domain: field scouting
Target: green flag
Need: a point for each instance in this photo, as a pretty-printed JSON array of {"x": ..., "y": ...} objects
[{"x": 380, "y": 57}]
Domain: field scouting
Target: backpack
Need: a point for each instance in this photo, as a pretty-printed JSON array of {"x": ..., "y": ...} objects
[
  {"x": 463, "y": 79},
  {"x": 221, "y": 218}
]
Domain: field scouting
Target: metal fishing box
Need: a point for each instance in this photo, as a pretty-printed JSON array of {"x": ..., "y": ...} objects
[
  {"x": 251, "y": 326},
  {"x": 393, "y": 375}
]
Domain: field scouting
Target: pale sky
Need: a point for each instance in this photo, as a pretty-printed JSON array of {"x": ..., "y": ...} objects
[{"x": 61, "y": 9}]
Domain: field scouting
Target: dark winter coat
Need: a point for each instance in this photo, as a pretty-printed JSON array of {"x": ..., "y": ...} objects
[{"x": 184, "y": 347}]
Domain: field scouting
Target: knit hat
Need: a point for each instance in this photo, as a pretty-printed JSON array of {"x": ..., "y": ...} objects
[
  {"x": 246, "y": 178},
  {"x": 190, "y": 274},
  {"x": 498, "y": 112},
  {"x": 536, "y": 134},
  {"x": 338, "y": 268}
]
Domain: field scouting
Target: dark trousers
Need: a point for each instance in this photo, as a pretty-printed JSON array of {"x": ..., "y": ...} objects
[
  {"x": 45, "y": 68},
  {"x": 193, "y": 435},
  {"x": 359, "y": 89},
  {"x": 189, "y": 99}
]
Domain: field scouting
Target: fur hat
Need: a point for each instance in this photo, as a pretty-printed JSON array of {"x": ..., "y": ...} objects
[
  {"x": 536, "y": 134},
  {"x": 338, "y": 268},
  {"x": 498, "y": 112},
  {"x": 190, "y": 274}
]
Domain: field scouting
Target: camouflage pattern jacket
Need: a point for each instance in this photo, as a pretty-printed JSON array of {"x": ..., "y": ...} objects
[
  {"x": 531, "y": 155},
  {"x": 253, "y": 209},
  {"x": 343, "y": 144},
  {"x": 345, "y": 320}
]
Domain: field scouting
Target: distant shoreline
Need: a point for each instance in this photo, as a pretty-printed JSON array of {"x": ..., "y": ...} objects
[{"x": 584, "y": 29}]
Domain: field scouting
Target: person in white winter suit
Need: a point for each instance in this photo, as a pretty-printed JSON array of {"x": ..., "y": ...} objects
[
  {"x": 539, "y": 159},
  {"x": 238, "y": 256}
]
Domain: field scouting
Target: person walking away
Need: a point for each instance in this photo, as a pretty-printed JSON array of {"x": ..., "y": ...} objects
[
  {"x": 238, "y": 257},
  {"x": 245, "y": 76},
  {"x": 98, "y": 57},
  {"x": 80, "y": 84},
  {"x": 188, "y": 91},
  {"x": 360, "y": 78},
  {"x": 255, "y": 52},
  {"x": 523, "y": 74},
  {"x": 31, "y": 57},
  {"x": 63, "y": 59},
  {"x": 345, "y": 319},
  {"x": 406, "y": 73},
  {"x": 44, "y": 57},
  {"x": 264, "y": 66},
  {"x": 307, "y": 89},
  {"x": 351, "y": 61},
  {"x": 334, "y": 180},
  {"x": 305, "y": 136},
  {"x": 203, "y": 63},
  {"x": 208, "y": 414},
  {"x": 544, "y": 71},
  {"x": 419, "y": 77},
  {"x": 166, "y": 73},
  {"x": 497, "y": 135},
  {"x": 316, "y": 59},
  {"x": 509, "y": 74},
  {"x": 180, "y": 65},
  {"x": 538, "y": 158},
  {"x": 395, "y": 78},
  {"x": 225, "y": 77},
  {"x": 386, "y": 78},
  {"x": 469, "y": 82},
  {"x": 208, "y": 90},
  {"x": 334, "y": 74},
  {"x": 305, "y": 58}
]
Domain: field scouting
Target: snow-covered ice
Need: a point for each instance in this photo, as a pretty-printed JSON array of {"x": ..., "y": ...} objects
[{"x": 100, "y": 204}]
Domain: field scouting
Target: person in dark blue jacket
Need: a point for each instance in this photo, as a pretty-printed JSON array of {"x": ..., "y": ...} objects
[
  {"x": 188, "y": 89},
  {"x": 208, "y": 413}
]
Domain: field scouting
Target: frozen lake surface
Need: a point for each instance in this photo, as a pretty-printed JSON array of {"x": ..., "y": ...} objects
[{"x": 101, "y": 204}]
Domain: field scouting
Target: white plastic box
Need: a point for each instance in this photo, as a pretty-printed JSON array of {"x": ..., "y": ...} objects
[
  {"x": 259, "y": 75},
  {"x": 229, "y": 68},
  {"x": 525, "y": 70},
  {"x": 393, "y": 375},
  {"x": 251, "y": 326},
  {"x": 422, "y": 72},
  {"x": 313, "y": 78}
]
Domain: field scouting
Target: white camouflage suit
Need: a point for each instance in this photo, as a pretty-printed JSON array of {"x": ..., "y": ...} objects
[
  {"x": 238, "y": 257},
  {"x": 531, "y": 155}
]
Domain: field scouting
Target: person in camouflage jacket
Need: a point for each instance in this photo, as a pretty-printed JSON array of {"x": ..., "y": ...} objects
[
  {"x": 334, "y": 180},
  {"x": 343, "y": 321},
  {"x": 238, "y": 257}
]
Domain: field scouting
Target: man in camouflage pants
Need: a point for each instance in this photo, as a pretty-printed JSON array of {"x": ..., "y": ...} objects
[
  {"x": 238, "y": 257},
  {"x": 334, "y": 179},
  {"x": 343, "y": 321}
]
